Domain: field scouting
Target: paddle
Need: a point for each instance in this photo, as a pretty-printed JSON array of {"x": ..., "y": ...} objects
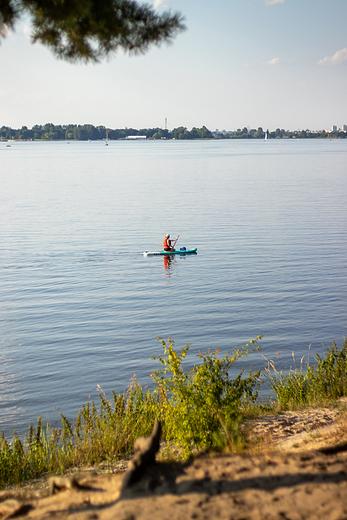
[{"x": 174, "y": 244}]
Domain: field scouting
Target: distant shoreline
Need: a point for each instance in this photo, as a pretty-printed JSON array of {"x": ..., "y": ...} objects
[
  {"x": 167, "y": 139},
  {"x": 87, "y": 132}
]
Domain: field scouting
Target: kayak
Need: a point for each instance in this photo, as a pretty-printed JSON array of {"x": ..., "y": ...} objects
[{"x": 168, "y": 253}]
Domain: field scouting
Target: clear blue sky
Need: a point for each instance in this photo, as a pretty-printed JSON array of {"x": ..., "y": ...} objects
[{"x": 269, "y": 63}]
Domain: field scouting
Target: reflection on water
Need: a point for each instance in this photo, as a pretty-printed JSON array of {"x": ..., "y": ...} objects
[{"x": 169, "y": 262}]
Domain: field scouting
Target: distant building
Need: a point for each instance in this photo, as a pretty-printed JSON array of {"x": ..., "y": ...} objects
[
  {"x": 334, "y": 128},
  {"x": 219, "y": 132},
  {"x": 134, "y": 137},
  {"x": 344, "y": 128}
]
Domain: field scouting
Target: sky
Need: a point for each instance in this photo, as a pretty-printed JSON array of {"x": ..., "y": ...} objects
[{"x": 240, "y": 63}]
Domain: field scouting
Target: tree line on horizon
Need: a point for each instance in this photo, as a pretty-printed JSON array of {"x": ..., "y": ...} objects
[
  {"x": 279, "y": 133},
  {"x": 50, "y": 132}
]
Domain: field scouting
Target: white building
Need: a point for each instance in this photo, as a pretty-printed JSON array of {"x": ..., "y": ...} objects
[
  {"x": 334, "y": 128},
  {"x": 344, "y": 128}
]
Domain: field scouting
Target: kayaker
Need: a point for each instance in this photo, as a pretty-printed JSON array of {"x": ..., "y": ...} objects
[{"x": 167, "y": 243}]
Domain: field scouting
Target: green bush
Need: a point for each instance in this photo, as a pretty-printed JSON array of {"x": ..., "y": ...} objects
[{"x": 198, "y": 403}]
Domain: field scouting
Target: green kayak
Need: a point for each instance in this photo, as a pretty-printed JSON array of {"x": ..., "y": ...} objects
[{"x": 182, "y": 251}]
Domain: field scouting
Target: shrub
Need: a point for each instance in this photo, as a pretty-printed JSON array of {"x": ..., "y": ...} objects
[{"x": 198, "y": 403}]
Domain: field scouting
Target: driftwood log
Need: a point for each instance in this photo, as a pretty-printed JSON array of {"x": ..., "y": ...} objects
[{"x": 145, "y": 449}]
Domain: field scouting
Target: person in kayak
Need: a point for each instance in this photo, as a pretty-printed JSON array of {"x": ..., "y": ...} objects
[{"x": 167, "y": 243}]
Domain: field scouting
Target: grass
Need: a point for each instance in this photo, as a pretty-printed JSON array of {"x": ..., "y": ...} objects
[
  {"x": 310, "y": 384},
  {"x": 202, "y": 408},
  {"x": 106, "y": 433}
]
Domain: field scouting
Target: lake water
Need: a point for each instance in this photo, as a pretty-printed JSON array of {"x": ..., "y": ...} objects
[{"x": 80, "y": 305}]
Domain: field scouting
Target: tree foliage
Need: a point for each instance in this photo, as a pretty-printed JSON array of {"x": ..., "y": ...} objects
[
  {"x": 196, "y": 133},
  {"x": 279, "y": 133},
  {"x": 90, "y": 30},
  {"x": 87, "y": 132}
]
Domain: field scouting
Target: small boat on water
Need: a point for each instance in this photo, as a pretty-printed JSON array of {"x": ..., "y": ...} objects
[{"x": 182, "y": 251}]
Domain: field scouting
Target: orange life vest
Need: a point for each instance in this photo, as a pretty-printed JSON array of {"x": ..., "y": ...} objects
[{"x": 167, "y": 243}]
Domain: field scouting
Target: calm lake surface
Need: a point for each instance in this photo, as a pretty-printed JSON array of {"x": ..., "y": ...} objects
[{"x": 81, "y": 306}]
